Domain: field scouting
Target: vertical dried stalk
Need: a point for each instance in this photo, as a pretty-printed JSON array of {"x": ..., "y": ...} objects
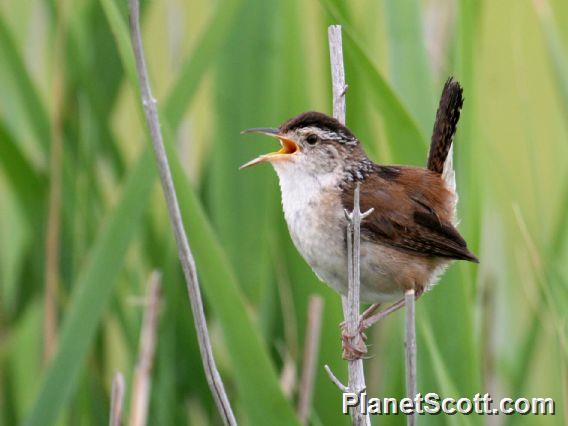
[
  {"x": 351, "y": 308},
  {"x": 184, "y": 251},
  {"x": 311, "y": 349},
  {"x": 351, "y": 303},
  {"x": 142, "y": 374},
  {"x": 410, "y": 341},
  {"x": 117, "y": 398},
  {"x": 337, "y": 71},
  {"x": 288, "y": 377}
]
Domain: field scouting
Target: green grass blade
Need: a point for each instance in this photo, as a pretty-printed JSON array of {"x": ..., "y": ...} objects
[
  {"x": 21, "y": 363},
  {"x": 409, "y": 69},
  {"x": 447, "y": 385},
  {"x": 408, "y": 143},
  {"x": 92, "y": 293},
  {"x": 90, "y": 36},
  {"x": 208, "y": 46},
  {"x": 557, "y": 53},
  {"x": 28, "y": 184},
  {"x": 38, "y": 117},
  {"x": 550, "y": 299},
  {"x": 252, "y": 365},
  {"x": 253, "y": 368},
  {"x": 194, "y": 67},
  {"x": 121, "y": 34},
  {"x": 559, "y": 235},
  {"x": 465, "y": 159},
  {"x": 253, "y": 206},
  {"x": 254, "y": 62}
]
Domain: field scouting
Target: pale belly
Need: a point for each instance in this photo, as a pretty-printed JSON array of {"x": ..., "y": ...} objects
[
  {"x": 385, "y": 272},
  {"x": 316, "y": 222}
]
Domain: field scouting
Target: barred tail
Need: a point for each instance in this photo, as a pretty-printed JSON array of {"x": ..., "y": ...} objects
[{"x": 447, "y": 119}]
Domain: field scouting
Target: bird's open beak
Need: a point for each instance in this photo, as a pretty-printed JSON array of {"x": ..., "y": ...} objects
[{"x": 289, "y": 147}]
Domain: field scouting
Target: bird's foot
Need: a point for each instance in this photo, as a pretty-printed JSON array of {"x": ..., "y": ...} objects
[{"x": 353, "y": 344}]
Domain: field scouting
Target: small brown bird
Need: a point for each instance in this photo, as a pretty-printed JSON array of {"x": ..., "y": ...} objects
[{"x": 410, "y": 237}]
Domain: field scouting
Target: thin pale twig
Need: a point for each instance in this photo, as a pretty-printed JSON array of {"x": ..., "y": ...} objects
[
  {"x": 116, "y": 400},
  {"x": 351, "y": 303},
  {"x": 288, "y": 375},
  {"x": 141, "y": 382},
  {"x": 335, "y": 380},
  {"x": 410, "y": 341},
  {"x": 337, "y": 71},
  {"x": 186, "y": 257}
]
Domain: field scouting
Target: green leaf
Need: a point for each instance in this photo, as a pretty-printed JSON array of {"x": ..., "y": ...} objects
[
  {"x": 408, "y": 143},
  {"x": 90, "y": 37},
  {"x": 447, "y": 385},
  {"x": 557, "y": 53},
  {"x": 28, "y": 184},
  {"x": 207, "y": 47},
  {"x": 253, "y": 207},
  {"x": 30, "y": 99},
  {"x": 252, "y": 366},
  {"x": 409, "y": 69},
  {"x": 92, "y": 293},
  {"x": 23, "y": 363},
  {"x": 121, "y": 34},
  {"x": 465, "y": 159}
]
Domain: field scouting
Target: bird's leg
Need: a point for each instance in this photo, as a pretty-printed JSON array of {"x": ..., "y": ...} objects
[
  {"x": 369, "y": 317},
  {"x": 369, "y": 320},
  {"x": 370, "y": 311},
  {"x": 365, "y": 315},
  {"x": 410, "y": 346}
]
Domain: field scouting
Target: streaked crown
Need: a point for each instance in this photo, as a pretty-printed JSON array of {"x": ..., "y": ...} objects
[{"x": 322, "y": 125}]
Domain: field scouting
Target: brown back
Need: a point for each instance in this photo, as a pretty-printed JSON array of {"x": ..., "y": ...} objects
[{"x": 412, "y": 212}]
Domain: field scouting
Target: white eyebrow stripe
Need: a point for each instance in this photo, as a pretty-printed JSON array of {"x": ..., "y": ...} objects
[{"x": 327, "y": 135}]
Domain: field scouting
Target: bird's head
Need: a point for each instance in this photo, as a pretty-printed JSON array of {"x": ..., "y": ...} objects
[{"x": 312, "y": 142}]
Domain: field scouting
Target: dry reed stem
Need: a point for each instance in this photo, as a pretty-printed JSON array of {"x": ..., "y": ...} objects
[
  {"x": 117, "y": 399},
  {"x": 410, "y": 341},
  {"x": 141, "y": 382},
  {"x": 351, "y": 303},
  {"x": 185, "y": 255}
]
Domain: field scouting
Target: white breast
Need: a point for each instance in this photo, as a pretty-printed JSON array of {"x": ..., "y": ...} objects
[
  {"x": 313, "y": 212},
  {"x": 316, "y": 221}
]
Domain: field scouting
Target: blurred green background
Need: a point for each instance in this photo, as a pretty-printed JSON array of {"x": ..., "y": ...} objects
[{"x": 83, "y": 221}]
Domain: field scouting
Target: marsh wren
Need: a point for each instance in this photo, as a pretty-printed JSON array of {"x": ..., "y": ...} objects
[{"x": 409, "y": 239}]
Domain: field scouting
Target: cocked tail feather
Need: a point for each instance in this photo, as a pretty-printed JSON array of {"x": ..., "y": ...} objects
[{"x": 445, "y": 126}]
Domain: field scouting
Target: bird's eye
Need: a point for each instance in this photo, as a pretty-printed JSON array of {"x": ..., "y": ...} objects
[{"x": 312, "y": 139}]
